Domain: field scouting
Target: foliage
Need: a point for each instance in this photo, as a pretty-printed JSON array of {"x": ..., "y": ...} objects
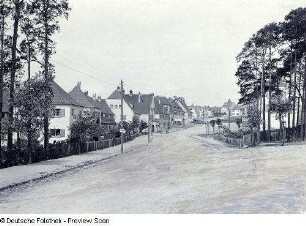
[
  {"x": 253, "y": 117},
  {"x": 280, "y": 105},
  {"x": 85, "y": 128},
  {"x": 238, "y": 122},
  {"x": 273, "y": 60},
  {"x": 212, "y": 123},
  {"x": 219, "y": 122},
  {"x": 30, "y": 101}
]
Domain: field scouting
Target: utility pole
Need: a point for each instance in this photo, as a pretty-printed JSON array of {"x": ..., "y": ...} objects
[
  {"x": 121, "y": 116},
  {"x": 229, "y": 118},
  {"x": 149, "y": 125}
]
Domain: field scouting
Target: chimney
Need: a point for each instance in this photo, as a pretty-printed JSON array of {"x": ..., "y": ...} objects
[
  {"x": 131, "y": 92},
  {"x": 99, "y": 98},
  {"x": 94, "y": 96},
  {"x": 79, "y": 84},
  {"x": 86, "y": 93},
  {"x": 139, "y": 95}
]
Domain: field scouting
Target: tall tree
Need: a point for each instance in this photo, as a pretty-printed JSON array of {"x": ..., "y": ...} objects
[
  {"x": 2, "y": 25},
  {"x": 46, "y": 15},
  {"x": 17, "y": 13}
]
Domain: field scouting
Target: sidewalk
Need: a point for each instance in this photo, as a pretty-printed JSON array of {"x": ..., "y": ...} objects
[{"x": 16, "y": 175}]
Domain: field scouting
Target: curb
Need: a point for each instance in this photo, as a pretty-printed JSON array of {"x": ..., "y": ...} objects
[{"x": 81, "y": 165}]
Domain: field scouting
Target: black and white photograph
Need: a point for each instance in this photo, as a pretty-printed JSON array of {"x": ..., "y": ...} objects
[{"x": 152, "y": 107}]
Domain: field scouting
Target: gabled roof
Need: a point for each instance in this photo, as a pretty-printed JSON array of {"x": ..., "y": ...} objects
[
  {"x": 115, "y": 95},
  {"x": 139, "y": 103},
  {"x": 6, "y": 96},
  {"x": 104, "y": 107},
  {"x": 82, "y": 97},
  {"x": 183, "y": 103},
  {"x": 229, "y": 104},
  {"x": 61, "y": 97}
]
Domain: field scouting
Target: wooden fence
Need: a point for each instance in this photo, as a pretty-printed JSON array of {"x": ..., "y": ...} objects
[{"x": 20, "y": 155}]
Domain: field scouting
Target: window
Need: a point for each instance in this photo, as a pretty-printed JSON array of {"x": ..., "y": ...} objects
[
  {"x": 72, "y": 112},
  {"x": 119, "y": 106},
  {"x": 116, "y": 106},
  {"x": 103, "y": 115},
  {"x": 57, "y": 113},
  {"x": 57, "y": 132},
  {"x": 111, "y": 106}
]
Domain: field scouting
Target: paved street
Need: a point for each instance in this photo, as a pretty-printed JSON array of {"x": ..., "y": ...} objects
[{"x": 178, "y": 172}]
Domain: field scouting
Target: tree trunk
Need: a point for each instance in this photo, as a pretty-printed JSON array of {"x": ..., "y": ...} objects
[
  {"x": 304, "y": 99},
  {"x": 298, "y": 118},
  {"x": 289, "y": 97},
  {"x": 294, "y": 100},
  {"x": 304, "y": 91},
  {"x": 29, "y": 146},
  {"x": 12, "y": 80},
  {"x": 263, "y": 91},
  {"x": 269, "y": 101},
  {"x": 1, "y": 76},
  {"x": 46, "y": 74}
]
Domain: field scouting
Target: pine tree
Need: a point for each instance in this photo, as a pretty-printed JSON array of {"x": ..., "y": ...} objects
[{"x": 46, "y": 15}]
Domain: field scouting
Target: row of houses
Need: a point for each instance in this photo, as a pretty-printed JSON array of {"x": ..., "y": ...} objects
[
  {"x": 163, "y": 112},
  {"x": 203, "y": 113}
]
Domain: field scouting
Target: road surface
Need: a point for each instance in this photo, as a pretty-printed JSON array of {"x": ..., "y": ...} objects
[{"x": 178, "y": 172}]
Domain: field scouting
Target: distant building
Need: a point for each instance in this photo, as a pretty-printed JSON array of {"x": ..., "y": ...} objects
[
  {"x": 134, "y": 105},
  {"x": 163, "y": 113},
  {"x": 187, "y": 112},
  {"x": 215, "y": 111},
  {"x": 227, "y": 106},
  {"x": 96, "y": 105}
]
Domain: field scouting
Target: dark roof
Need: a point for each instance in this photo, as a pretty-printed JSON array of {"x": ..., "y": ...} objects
[
  {"x": 139, "y": 105},
  {"x": 6, "y": 94},
  {"x": 115, "y": 95},
  {"x": 82, "y": 97},
  {"x": 185, "y": 106},
  {"x": 161, "y": 101},
  {"x": 174, "y": 106},
  {"x": 61, "y": 97},
  {"x": 104, "y": 107}
]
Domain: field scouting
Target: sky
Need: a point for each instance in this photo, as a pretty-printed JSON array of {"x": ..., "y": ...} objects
[{"x": 167, "y": 47}]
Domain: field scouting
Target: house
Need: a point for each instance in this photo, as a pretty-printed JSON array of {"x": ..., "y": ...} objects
[
  {"x": 177, "y": 113},
  {"x": 187, "y": 113},
  {"x": 194, "y": 112},
  {"x": 162, "y": 119},
  {"x": 227, "y": 106},
  {"x": 95, "y": 105},
  {"x": 237, "y": 110},
  {"x": 88, "y": 103},
  {"x": 64, "y": 110},
  {"x": 134, "y": 105},
  {"x": 107, "y": 116},
  {"x": 114, "y": 102},
  {"x": 215, "y": 111},
  {"x": 141, "y": 105}
]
